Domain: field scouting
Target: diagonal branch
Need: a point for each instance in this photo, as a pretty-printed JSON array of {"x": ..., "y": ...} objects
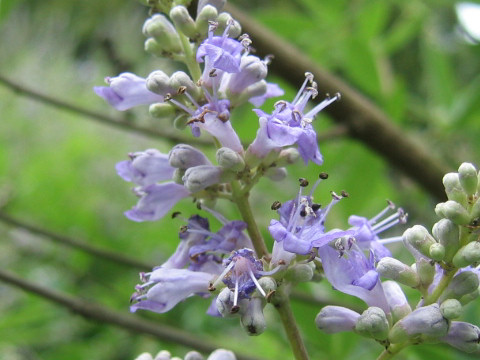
[
  {"x": 101, "y": 118},
  {"x": 102, "y": 314},
  {"x": 364, "y": 120}
]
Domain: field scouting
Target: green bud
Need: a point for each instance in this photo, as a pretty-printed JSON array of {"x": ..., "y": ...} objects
[
  {"x": 454, "y": 189},
  {"x": 373, "y": 323},
  {"x": 180, "y": 122},
  {"x": 207, "y": 14},
  {"x": 462, "y": 284},
  {"x": 437, "y": 252},
  {"x": 397, "y": 301},
  {"x": 419, "y": 237},
  {"x": 230, "y": 159},
  {"x": 235, "y": 29},
  {"x": 154, "y": 48},
  {"x": 465, "y": 299},
  {"x": 447, "y": 234},
  {"x": 252, "y": 319},
  {"x": 159, "y": 83},
  {"x": 454, "y": 211},
  {"x": 394, "y": 269},
  {"x": 276, "y": 173},
  {"x": 475, "y": 211},
  {"x": 161, "y": 110},
  {"x": 299, "y": 273},
  {"x": 287, "y": 157},
  {"x": 467, "y": 255},
  {"x": 468, "y": 178},
  {"x": 164, "y": 33},
  {"x": 257, "y": 89},
  {"x": 202, "y": 176},
  {"x": 181, "y": 79},
  {"x": 451, "y": 309},
  {"x": 178, "y": 175},
  {"x": 425, "y": 270},
  {"x": 268, "y": 284},
  {"x": 184, "y": 22}
]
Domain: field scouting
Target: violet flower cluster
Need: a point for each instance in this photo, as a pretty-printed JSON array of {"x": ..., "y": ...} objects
[{"x": 232, "y": 265}]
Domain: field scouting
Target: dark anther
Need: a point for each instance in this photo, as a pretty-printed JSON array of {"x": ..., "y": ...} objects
[
  {"x": 303, "y": 182},
  {"x": 276, "y": 205},
  {"x": 269, "y": 295},
  {"x": 199, "y": 206},
  {"x": 175, "y": 214},
  {"x": 282, "y": 262},
  {"x": 345, "y": 194},
  {"x": 235, "y": 309},
  {"x": 211, "y": 287},
  {"x": 315, "y": 207},
  {"x": 181, "y": 90},
  {"x": 303, "y": 213},
  {"x": 183, "y": 228},
  {"x": 167, "y": 97},
  {"x": 323, "y": 176},
  {"x": 212, "y": 73}
]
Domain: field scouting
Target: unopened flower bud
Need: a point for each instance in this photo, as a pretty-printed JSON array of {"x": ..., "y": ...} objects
[
  {"x": 451, "y": 309},
  {"x": 454, "y": 189},
  {"x": 181, "y": 121},
  {"x": 154, "y": 48},
  {"x": 462, "y": 284},
  {"x": 230, "y": 159},
  {"x": 463, "y": 336},
  {"x": 396, "y": 299},
  {"x": 204, "y": 16},
  {"x": 221, "y": 354},
  {"x": 144, "y": 356},
  {"x": 454, "y": 211},
  {"x": 252, "y": 70},
  {"x": 425, "y": 270},
  {"x": 276, "y": 173},
  {"x": 475, "y": 211},
  {"x": 252, "y": 318},
  {"x": 159, "y": 83},
  {"x": 465, "y": 299},
  {"x": 447, "y": 234},
  {"x": 423, "y": 323},
  {"x": 437, "y": 252},
  {"x": 199, "y": 177},
  {"x": 287, "y": 157},
  {"x": 468, "y": 178},
  {"x": 180, "y": 79},
  {"x": 184, "y": 156},
  {"x": 418, "y": 237},
  {"x": 224, "y": 19},
  {"x": 163, "y": 355},
  {"x": 373, "y": 323},
  {"x": 161, "y": 110},
  {"x": 467, "y": 255},
  {"x": 333, "y": 319},
  {"x": 193, "y": 355},
  {"x": 164, "y": 33},
  {"x": 394, "y": 269},
  {"x": 224, "y": 303},
  {"x": 299, "y": 273},
  {"x": 268, "y": 284},
  {"x": 218, "y": 4},
  {"x": 178, "y": 175},
  {"x": 183, "y": 21}
]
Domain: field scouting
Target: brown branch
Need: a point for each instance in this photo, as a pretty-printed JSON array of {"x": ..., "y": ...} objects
[
  {"x": 103, "y": 315},
  {"x": 101, "y": 118},
  {"x": 364, "y": 120},
  {"x": 76, "y": 244}
]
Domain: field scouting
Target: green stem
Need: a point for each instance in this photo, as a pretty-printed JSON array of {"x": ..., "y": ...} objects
[
  {"x": 391, "y": 351},
  {"x": 241, "y": 199},
  {"x": 282, "y": 304},
  {"x": 442, "y": 285},
  {"x": 190, "y": 60}
]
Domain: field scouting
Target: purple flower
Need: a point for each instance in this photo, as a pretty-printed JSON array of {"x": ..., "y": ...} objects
[
  {"x": 126, "y": 91},
  {"x": 367, "y": 230},
  {"x": 145, "y": 168},
  {"x": 301, "y": 227},
  {"x": 273, "y": 90},
  {"x": 289, "y": 125},
  {"x": 351, "y": 272},
  {"x": 156, "y": 200},
  {"x": 164, "y": 288}
]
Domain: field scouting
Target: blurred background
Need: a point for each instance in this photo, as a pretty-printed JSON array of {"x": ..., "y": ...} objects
[{"x": 418, "y": 61}]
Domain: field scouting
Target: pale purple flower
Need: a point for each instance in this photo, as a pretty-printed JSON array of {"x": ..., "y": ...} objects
[
  {"x": 164, "y": 288},
  {"x": 156, "y": 201},
  {"x": 273, "y": 90},
  {"x": 333, "y": 319},
  {"x": 367, "y": 230},
  {"x": 351, "y": 272},
  {"x": 145, "y": 167},
  {"x": 463, "y": 336},
  {"x": 289, "y": 125},
  {"x": 126, "y": 91}
]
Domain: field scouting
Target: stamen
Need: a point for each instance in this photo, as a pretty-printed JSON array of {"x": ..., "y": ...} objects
[
  {"x": 222, "y": 275},
  {"x": 308, "y": 78},
  {"x": 390, "y": 206},
  {"x": 235, "y": 294},
  {"x": 259, "y": 288},
  {"x": 321, "y": 106},
  {"x": 182, "y": 106},
  {"x": 276, "y": 205},
  {"x": 391, "y": 240},
  {"x": 386, "y": 221},
  {"x": 303, "y": 182}
]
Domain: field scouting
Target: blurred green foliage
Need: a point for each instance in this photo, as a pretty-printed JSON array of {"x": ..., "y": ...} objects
[{"x": 57, "y": 168}]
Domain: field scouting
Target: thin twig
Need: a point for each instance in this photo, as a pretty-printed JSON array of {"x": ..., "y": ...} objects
[
  {"x": 101, "y": 118},
  {"x": 104, "y": 315},
  {"x": 364, "y": 120},
  {"x": 76, "y": 244}
]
